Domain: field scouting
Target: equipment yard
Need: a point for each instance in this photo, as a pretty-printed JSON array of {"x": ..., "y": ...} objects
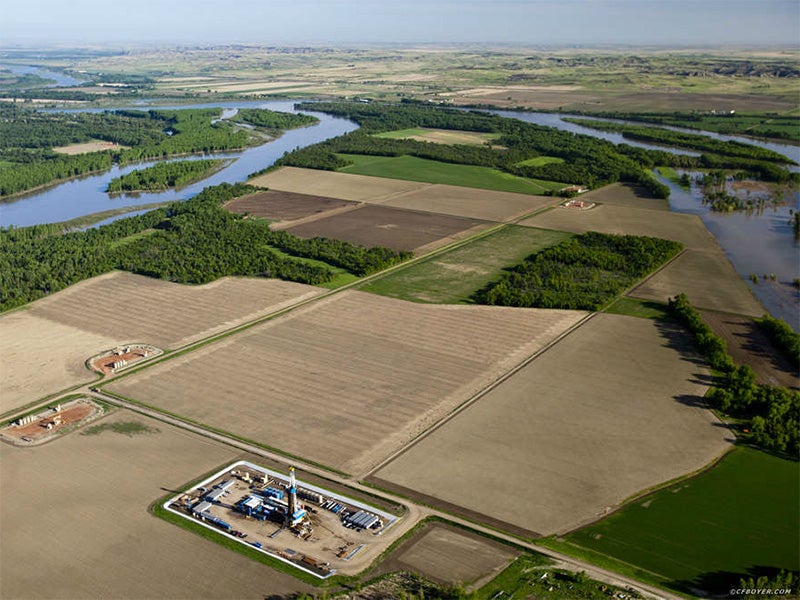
[
  {"x": 570, "y": 436},
  {"x": 362, "y": 374},
  {"x": 44, "y": 425},
  {"x": 312, "y": 528},
  {"x": 100, "y": 532}
]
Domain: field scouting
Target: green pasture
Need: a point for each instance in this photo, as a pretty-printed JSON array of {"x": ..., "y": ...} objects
[
  {"x": 540, "y": 161},
  {"x": 412, "y": 168},
  {"x": 454, "y": 276},
  {"x": 739, "y": 519}
]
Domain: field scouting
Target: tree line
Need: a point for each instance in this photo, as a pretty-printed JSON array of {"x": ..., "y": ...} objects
[
  {"x": 783, "y": 336},
  {"x": 162, "y": 176},
  {"x": 195, "y": 241},
  {"x": 770, "y": 414},
  {"x": 270, "y": 119},
  {"x": 584, "y": 272}
]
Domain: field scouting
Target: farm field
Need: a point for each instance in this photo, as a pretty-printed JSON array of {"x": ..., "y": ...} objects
[
  {"x": 335, "y": 185},
  {"x": 47, "y": 343},
  {"x": 622, "y": 194},
  {"x": 284, "y": 206},
  {"x": 709, "y": 280},
  {"x": 393, "y": 228},
  {"x": 609, "y": 410},
  {"x": 431, "y": 171},
  {"x": 440, "y": 136},
  {"x": 748, "y": 344},
  {"x": 353, "y": 377},
  {"x": 474, "y": 203},
  {"x": 83, "y": 148},
  {"x": 165, "y": 314},
  {"x": 704, "y": 532},
  {"x": 622, "y": 220},
  {"x": 99, "y": 540},
  {"x": 454, "y": 276},
  {"x": 447, "y": 555}
]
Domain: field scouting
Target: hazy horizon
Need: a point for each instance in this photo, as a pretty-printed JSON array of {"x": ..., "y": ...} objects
[{"x": 424, "y": 22}]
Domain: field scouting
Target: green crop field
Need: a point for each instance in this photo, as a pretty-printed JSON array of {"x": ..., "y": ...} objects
[
  {"x": 539, "y": 161},
  {"x": 739, "y": 519},
  {"x": 430, "y": 171},
  {"x": 454, "y": 276}
]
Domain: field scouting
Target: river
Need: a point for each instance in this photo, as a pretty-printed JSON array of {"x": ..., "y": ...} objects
[
  {"x": 86, "y": 195},
  {"x": 756, "y": 243},
  {"x": 58, "y": 79}
]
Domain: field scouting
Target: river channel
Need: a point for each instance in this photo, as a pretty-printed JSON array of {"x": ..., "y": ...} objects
[{"x": 757, "y": 243}]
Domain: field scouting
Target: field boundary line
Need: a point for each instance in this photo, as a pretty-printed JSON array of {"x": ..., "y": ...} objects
[{"x": 477, "y": 396}]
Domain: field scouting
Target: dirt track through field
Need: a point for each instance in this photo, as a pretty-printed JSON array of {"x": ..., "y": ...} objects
[
  {"x": 349, "y": 379},
  {"x": 609, "y": 410},
  {"x": 75, "y": 521}
]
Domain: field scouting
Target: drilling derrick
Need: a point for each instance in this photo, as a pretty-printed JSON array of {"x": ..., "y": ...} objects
[{"x": 294, "y": 514}]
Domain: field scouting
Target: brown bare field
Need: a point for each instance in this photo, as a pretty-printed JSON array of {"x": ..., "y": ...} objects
[
  {"x": 610, "y": 410},
  {"x": 621, "y": 194},
  {"x": 448, "y": 555},
  {"x": 709, "y": 280},
  {"x": 41, "y": 357},
  {"x": 86, "y": 147},
  {"x": 749, "y": 345},
  {"x": 345, "y": 186},
  {"x": 47, "y": 344},
  {"x": 75, "y": 521},
  {"x": 606, "y": 218},
  {"x": 394, "y": 228},
  {"x": 349, "y": 379},
  {"x": 452, "y": 136},
  {"x": 284, "y": 206},
  {"x": 488, "y": 205},
  {"x": 168, "y": 315}
]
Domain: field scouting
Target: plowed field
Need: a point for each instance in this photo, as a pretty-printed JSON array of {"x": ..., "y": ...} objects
[
  {"x": 349, "y": 379},
  {"x": 335, "y": 185},
  {"x": 608, "y": 218},
  {"x": 709, "y": 280},
  {"x": 98, "y": 540},
  {"x": 390, "y": 227},
  {"x": 284, "y": 206},
  {"x": 611, "y": 409},
  {"x": 489, "y": 205},
  {"x": 45, "y": 346}
]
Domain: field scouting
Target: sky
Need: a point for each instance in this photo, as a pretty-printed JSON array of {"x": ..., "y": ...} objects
[{"x": 320, "y": 22}]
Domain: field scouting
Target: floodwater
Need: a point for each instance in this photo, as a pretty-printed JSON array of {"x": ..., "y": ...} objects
[
  {"x": 757, "y": 242},
  {"x": 86, "y": 195}
]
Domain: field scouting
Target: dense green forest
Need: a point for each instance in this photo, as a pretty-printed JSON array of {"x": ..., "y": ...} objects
[
  {"x": 766, "y": 125},
  {"x": 195, "y": 241},
  {"x": 771, "y": 414},
  {"x": 162, "y": 176},
  {"x": 584, "y": 272},
  {"x": 270, "y": 119},
  {"x": 27, "y": 137},
  {"x": 783, "y": 336},
  {"x": 588, "y": 160}
]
